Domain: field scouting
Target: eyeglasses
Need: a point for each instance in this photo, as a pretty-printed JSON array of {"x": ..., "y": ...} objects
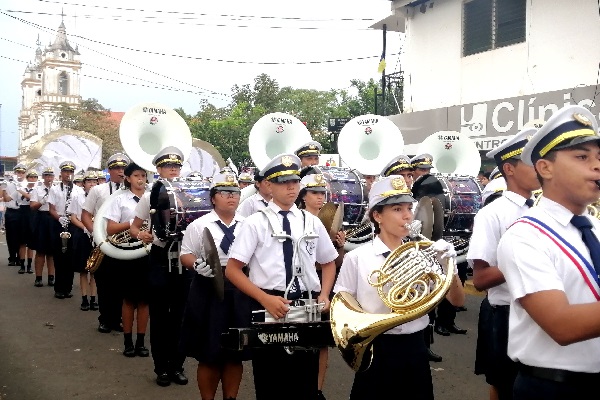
[{"x": 227, "y": 194}]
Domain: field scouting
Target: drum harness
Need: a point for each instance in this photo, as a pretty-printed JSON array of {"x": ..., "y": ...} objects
[{"x": 312, "y": 310}]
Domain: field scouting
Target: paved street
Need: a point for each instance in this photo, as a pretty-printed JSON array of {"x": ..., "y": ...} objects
[{"x": 49, "y": 350}]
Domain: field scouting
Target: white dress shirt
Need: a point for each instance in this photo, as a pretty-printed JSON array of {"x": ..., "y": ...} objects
[
  {"x": 97, "y": 195},
  {"x": 58, "y": 196},
  {"x": 251, "y": 205},
  {"x": 263, "y": 254},
  {"x": 40, "y": 195},
  {"x": 75, "y": 207},
  {"x": 490, "y": 224},
  {"x": 354, "y": 279},
  {"x": 122, "y": 208},
  {"x": 531, "y": 262},
  {"x": 142, "y": 211},
  {"x": 12, "y": 189},
  {"x": 193, "y": 238}
]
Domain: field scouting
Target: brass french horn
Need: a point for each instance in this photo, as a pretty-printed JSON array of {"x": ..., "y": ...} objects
[{"x": 407, "y": 283}]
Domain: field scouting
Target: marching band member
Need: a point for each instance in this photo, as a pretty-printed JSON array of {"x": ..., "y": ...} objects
[
  {"x": 495, "y": 187},
  {"x": 206, "y": 317},
  {"x": 422, "y": 165},
  {"x": 270, "y": 273},
  {"x": 82, "y": 245},
  {"x": 309, "y": 154},
  {"x": 110, "y": 301},
  {"x": 59, "y": 198},
  {"x": 133, "y": 274},
  {"x": 390, "y": 209},
  {"x": 168, "y": 285},
  {"x": 78, "y": 180},
  {"x": 42, "y": 231},
  {"x": 550, "y": 259},
  {"x": 258, "y": 200},
  {"x": 23, "y": 197},
  {"x": 245, "y": 179},
  {"x": 11, "y": 217},
  {"x": 313, "y": 189},
  {"x": 490, "y": 224},
  {"x": 402, "y": 166}
]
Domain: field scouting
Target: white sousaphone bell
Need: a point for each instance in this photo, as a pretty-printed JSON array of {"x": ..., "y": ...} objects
[
  {"x": 274, "y": 134},
  {"x": 368, "y": 142},
  {"x": 452, "y": 153}
]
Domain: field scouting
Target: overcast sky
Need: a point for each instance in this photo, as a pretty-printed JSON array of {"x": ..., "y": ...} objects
[{"x": 128, "y": 49}]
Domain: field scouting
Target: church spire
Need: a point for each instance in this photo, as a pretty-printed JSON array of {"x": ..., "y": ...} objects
[{"x": 61, "y": 42}]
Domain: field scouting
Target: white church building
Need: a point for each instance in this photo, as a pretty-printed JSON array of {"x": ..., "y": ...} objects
[
  {"x": 487, "y": 67},
  {"x": 52, "y": 79}
]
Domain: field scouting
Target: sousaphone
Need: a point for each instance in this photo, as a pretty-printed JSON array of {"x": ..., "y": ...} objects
[
  {"x": 368, "y": 142},
  {"x": 452, "y": 152}
]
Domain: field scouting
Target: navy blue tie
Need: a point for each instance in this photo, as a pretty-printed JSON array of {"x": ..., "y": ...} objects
[
  {"x": 591, "y": 241},
  {"x": 288, "y": 255},
  {"x": 529, "y": 203},
  {"x": 386, "y": 254},
  {"x": 264, "y": 202},
  {"x": 228, "y": 238}
]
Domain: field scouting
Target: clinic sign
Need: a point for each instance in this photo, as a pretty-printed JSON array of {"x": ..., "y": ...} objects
[{"x": 490, "y": 123}]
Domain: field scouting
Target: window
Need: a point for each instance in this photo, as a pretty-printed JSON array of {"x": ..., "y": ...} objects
[
  {"x": 490, "y": 24},
  {"x": 63, "y": 84}
]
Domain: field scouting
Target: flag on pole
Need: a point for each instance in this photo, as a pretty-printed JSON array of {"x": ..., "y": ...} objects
[{"x": 381, "y": 66}]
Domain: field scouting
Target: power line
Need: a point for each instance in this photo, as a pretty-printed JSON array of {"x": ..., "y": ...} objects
[
  {"x": 162, "y": 12},
  {"x": 221, "y": 60},
  {"x": 153, "y": 19}
]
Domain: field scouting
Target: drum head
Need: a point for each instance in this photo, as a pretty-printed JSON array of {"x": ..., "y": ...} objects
[
  {"x": 424, "y": 213},
  {"x": 345, "y": 186},
  {"x": 212, "y": 259},
  {"x": 438, "y": 219}
]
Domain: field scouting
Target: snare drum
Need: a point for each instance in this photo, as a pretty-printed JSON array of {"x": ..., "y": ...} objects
[
  {"x": 177, "y": 204},
  {"x": 345, "y": 186},
  {"x": 462, "y": 201}
]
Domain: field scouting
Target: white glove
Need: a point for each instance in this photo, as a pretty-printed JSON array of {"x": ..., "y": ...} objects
[
  {"x": 64, "y": 221},
  {"x": 444, "y": 251},
  {"x": 202, "y": 268}
]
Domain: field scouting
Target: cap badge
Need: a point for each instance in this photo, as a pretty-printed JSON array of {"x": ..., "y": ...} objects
[
  {"x": 319, "y": 178},
  {"x": 287, "y": 161},
  {"x": 312, "y": 147},
  {"x": 173, "y": 156},
  {"x": 428, "y": 160},
  {"x": 582, "y": 119},
  {"x": 229, "y": 178},
  {"x": 398, "y": 183}
]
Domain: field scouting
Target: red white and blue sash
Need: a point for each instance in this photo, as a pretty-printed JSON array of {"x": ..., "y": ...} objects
[{"x": 568, "y": 249}]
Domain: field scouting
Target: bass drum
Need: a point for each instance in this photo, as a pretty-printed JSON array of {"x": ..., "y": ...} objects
[
  {"x": 176, "y": 204},
  {"x": 462, "y": 202},
  {"x": 345, "y": 186},
  {"x": 460, "y": 196}
]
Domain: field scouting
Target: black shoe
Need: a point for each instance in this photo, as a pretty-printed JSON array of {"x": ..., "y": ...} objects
[
  {"x": 29, "y": 270},
  {"x": 103, "y": 328},
  {"x": 163, "y": 379},
  {"x": 320, "y": 395},
  {"x": 117, "y": 328},
  {"x": 129, "y": 351},
  {"x": 21, "y": 270},
  {"x": 179, "y": 378},
  {"x": 440, "y": 330},
  {"x": 38, "y": 283},
  {"x": 13, "y": 263},
  {"x": 68, "y": 295},
  {"x": 434, "y": 357},
  {"x": 93, "y": 306},
  {"x": 461, "y": 308},
  {"x": 85, "y": 306},
  {"x": 455, "y": 329},
  {"x": 142, "y": 351},
  {"x": 59, "y": 295},
  {"x": 51, "y": 280}
]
